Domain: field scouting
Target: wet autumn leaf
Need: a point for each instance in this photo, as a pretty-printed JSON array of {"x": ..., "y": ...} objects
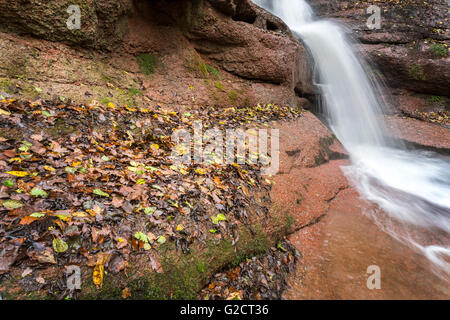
[
  {"x": 59, "y": 245},
  {"x": 18, "y": 173},
  {"x": 161, "y": 240},
  {"x": 12, "y": 204},
  {"x": 27, "y": 220},
  {"x": 100, "y": 193},
  {"x": 126, "y": 293},
  {"x": 97, "y": 276},
  {"x": 37, "y": 192}
]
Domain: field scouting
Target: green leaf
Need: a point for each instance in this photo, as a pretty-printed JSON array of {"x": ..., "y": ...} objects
[
  {"x": 212, "y": 230},
  {"x": 38, "y": 90},
  {"x": 25, "y": 146},
  {"x": 141, "y": 236},
  {"x": 157, "y": 187},
  {"x": 70, "y": 170},
  {"x": 8, "y": 183},
  {"x": 38, "y": 192},
  {"x": 219, "y": 217},
  {"x": 161, "y": 239},
  {"x": 12, "y": 204},
  {"x": 279, "y": 246},
  {"x": 173, "y": 203},
  {"x": 149, "y": 210},
  {"x": 105, "y": 158},
  {"x": 37, "y": 215},
  {"x": 46, "y": 113},
  {"x": 59, "y": 245},
  {"x": 100, "y": 193},
  {"x": 141, "y": 181}
]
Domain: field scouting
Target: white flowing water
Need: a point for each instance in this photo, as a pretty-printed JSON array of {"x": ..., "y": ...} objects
[{"x": 412, "y": 187}]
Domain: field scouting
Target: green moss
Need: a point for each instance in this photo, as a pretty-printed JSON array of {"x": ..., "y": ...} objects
[
  {"x": 233, "y": 96},
  {"x": 105, "y": 101},
  {"x": 435, "y": 99},
  {"x": 415, "y": 72},
  {"x": 185, "y": 274},
  {"x": 439, "y": 50},
  {"x": 6, "y": 85},
  {"x": 213, "y": 71},
  {"x": 147, "y": 63},
  {"x": 134, "y": 92},
  {"x": 219, "y": 85},
  {"x": 196, "y": 63}
]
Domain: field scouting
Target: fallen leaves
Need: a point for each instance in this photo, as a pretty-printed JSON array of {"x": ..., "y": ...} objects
[{"x": 110, "y": 191}]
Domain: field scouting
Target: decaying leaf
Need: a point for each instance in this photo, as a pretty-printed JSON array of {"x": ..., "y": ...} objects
[
  {"x": 97, "y": 276},
  {"x": 59, "y": 245}
]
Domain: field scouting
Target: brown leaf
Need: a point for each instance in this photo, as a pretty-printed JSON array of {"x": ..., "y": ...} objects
[
  {"x": 9, "y": 252},
  {"x": 27, "y": 220},
  {"x": 126, "y": 293},
  {"x": 45, "y": 256},
  {"x": 117, "y": 264},
  {"x": 117, "y": 202}
]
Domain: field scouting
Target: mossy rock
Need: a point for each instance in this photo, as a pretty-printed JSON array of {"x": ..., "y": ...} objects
[{"x": 101, "y": 20}]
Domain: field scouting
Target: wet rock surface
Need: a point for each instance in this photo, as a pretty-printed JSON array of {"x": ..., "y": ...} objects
[{"x": 420, "y": 134}]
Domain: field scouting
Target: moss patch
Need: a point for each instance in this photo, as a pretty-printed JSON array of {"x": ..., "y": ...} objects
[
  {"x": 185, "y": 274},
  {"x": 147, "y": 63},
  {"x": 415, "y": 72},
  {"x": 439, "y": 50}
]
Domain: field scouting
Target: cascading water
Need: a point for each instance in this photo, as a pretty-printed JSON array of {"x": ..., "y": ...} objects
[{"x": 412, "y": 187}]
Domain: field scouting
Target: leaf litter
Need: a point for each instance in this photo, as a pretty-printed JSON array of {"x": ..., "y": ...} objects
[{"x": 98, "y": 192}]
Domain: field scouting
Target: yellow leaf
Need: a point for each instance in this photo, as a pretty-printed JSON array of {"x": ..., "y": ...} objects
[
  {"x": 4, "y": 112},
  {"x": 200, "y": 171},
  {"x": 76, "y": 163},
  {"x": 97, "y": 277},
  {"x": 183, "y": 171},
  {"x": 48, "y": 168},
  {"x": 111, "y": 105},
  {"x": 18, "y": 173},
  {"x": 64, "y": 217},
  {"x": 180, "y": 227},
  {"x": 80, "y": 214},
  {"x": 155, "y": 146}
]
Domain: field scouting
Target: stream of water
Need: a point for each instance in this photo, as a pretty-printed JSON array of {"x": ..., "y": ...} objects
[{"x": 412, "y": 188}]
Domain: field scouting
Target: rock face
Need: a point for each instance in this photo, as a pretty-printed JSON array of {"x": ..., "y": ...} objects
[
  {"x": 411, "y": 47},
  {"x": 217, "y": 52},
  {"x": 103, "y": 22}
]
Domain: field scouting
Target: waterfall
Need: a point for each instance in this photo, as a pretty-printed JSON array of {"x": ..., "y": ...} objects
[{"x": 411, "y": 187}]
